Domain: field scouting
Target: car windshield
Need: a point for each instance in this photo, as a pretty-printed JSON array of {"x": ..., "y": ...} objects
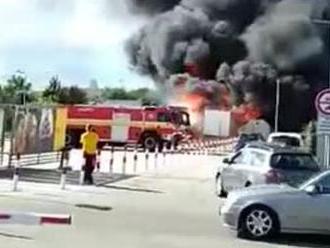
[
  {"x": 181, "y": 118},
  {"x": 294, "y": 162},
  {"x": 250, "y": 137},
  {"x": 289, "y": 141},
  {"x": 310, "y": 180}
]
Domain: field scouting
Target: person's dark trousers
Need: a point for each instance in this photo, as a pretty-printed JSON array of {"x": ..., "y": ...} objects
[{"x": 90, "y": 160}]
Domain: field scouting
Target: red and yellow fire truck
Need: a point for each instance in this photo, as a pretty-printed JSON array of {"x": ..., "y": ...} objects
[{"x": 148, "y": 126}]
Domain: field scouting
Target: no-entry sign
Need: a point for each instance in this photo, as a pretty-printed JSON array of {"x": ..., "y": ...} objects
[{"x": 322, "y": 102}]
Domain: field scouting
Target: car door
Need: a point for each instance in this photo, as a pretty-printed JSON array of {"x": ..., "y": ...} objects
[
  {"x": 256, "y": 165},
  {"x": 309, "y": 212},
  {"x": 319, "y": 218},
  {"x": 232, "y": 174}
]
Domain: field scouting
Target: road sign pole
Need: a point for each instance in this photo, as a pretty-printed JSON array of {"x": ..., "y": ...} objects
[{"x": 322, "y": 104}]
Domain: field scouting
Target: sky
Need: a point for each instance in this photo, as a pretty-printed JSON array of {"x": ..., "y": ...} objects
[{"x": 78, "y": 40}]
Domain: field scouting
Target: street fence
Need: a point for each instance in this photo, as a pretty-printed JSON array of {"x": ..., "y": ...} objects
[{"x": 123, "y": 162}]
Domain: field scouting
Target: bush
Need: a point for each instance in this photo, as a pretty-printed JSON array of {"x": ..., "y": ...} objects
[{"x": 310, "y": 137}]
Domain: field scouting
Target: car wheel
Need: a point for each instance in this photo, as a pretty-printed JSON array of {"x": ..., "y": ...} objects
[
  {"x": 258, "y": 223},
  {"x": 219, "y": 189},
  {"x": 150, "y": 143}
]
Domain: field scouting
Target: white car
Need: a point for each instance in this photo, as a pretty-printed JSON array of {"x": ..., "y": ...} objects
[{"x": 288, "y": 139}]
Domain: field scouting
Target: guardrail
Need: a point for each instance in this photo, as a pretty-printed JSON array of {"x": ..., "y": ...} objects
[
  {"x": 34, "y": 159},
  {"x": 209, "y": 146}
]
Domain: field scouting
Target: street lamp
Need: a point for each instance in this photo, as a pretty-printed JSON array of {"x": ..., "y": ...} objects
[
  {"x": 324, "y": 23},
  {"x": 277, "y": 109}
]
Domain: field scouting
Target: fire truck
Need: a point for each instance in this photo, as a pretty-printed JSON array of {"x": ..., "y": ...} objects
[{"x": 146, "y": 126}]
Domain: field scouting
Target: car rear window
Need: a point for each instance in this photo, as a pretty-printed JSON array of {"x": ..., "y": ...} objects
[
  {"x": 289, "y": 141},
  {"x": 294, "y": 162}
]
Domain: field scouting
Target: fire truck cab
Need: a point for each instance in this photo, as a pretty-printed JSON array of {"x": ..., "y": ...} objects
[{"x": 147, "y": 126}]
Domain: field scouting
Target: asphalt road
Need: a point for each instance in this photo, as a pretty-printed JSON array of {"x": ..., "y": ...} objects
[{"x": 171, "y": 207}]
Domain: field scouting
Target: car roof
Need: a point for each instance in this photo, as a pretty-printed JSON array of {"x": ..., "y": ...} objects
[
  {"x": 275, "y": 148},
  {"x": 290, "y": 135}
]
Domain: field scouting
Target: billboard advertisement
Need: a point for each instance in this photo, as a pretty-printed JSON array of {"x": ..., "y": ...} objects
[{"x": 34, "y": 130}]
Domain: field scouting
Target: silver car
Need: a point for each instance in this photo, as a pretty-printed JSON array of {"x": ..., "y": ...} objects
[
  {"x": 262, "y": 163},
  {"x": 262, "y": 211}
]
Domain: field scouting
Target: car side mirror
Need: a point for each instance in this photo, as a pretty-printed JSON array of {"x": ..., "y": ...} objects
[
  {"x": 226, "y": 161},
  {"x": 313, "y": 190}
]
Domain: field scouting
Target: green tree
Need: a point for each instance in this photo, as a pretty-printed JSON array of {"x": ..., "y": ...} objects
[
  {"x": 17, "y": 90},
  {"x": 310, "y": 137},
  {"x": 146, "y": 95},
  {"x": 52, "y": 92},
  {"x": 117, "y": 94},
  {"x": 72, "y": 95},
  {"x": 55, "y": 93}
]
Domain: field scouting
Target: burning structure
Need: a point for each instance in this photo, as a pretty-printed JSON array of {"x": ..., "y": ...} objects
[{"x": 228, "y": 54}]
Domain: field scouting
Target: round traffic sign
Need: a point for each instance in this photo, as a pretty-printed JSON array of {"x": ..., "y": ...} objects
[{"x": 322, "y": 102}]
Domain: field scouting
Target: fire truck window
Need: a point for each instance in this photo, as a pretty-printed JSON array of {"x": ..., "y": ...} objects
[
  {"x": 177, "y": 118},
  {"x": 185, "y": 119},
  {"x": 163, "y": 117}
]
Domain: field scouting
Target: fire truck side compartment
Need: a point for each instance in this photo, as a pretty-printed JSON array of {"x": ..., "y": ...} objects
[{"x": 133, "y": 124}]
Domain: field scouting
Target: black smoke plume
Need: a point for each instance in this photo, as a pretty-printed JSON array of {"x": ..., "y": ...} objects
[
  {"x": 245, "y": 45},
  {"x": 151, "y": 7}
]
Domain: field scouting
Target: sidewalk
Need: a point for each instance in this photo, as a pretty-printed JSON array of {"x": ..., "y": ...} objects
[{"x": 175, "y": 167}]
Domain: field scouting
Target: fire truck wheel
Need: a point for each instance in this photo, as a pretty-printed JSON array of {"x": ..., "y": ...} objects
[{"x": 150, "y": 142}]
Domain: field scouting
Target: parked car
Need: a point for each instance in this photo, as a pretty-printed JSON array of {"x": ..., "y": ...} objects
[
  {"x": 286, "y": 139},
  {"x": 262, "y": 163},
  {"x": 263, "y": 211},
  {"x": 245, "y": 139}
]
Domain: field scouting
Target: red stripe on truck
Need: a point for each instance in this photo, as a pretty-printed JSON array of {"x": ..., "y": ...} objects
[{"x": 89, "y": 113}]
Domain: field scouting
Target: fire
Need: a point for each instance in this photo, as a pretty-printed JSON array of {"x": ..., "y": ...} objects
[
  {"x": 246, "y": 113},
  {"x": 196, "y": 101}
]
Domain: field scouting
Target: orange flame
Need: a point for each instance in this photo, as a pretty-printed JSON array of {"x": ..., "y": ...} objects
[
  {"x": 246, "y": 113},
  {"x": 196, "y": 103}
]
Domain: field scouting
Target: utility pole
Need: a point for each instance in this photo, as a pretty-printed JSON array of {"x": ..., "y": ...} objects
[
  {"x": 22, "y": 95},
  {"x": 278, "y": 99},
  {"x": 323, "y": 143}
]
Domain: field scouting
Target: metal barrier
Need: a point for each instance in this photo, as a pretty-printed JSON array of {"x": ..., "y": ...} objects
[
  {"x": 35, "y": 159},
  {"x": 129, "y": 162}
]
